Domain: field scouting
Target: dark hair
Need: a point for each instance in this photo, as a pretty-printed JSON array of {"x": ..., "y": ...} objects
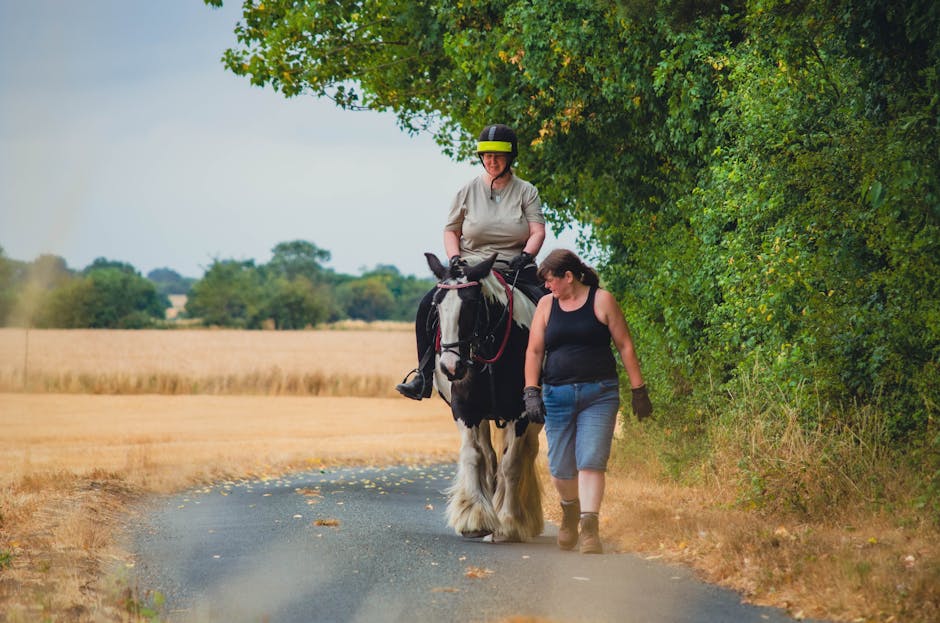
[{"x": 560, "y": 261}]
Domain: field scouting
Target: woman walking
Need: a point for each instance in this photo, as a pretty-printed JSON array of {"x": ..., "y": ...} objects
[{"x": 577, "y": 390}]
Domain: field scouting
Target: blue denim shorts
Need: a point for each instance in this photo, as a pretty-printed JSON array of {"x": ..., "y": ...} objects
[{"x": 579, "y": 425}]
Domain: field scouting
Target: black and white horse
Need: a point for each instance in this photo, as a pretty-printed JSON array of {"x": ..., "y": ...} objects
[{"x": 484, "y": 329}]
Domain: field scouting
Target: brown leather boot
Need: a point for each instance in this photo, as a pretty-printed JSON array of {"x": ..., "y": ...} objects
[
  {"x": 590, "y": 539},
  {"x": 568, "y": 530}
]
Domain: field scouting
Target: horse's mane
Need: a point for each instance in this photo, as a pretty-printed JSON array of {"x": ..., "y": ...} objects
[{"x": 522, "y": 306}]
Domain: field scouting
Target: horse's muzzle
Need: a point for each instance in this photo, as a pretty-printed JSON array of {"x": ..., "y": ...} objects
[{"x": 453, "y": 366}]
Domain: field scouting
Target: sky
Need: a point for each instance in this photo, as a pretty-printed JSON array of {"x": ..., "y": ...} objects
[{"x": 122, "y": 136}]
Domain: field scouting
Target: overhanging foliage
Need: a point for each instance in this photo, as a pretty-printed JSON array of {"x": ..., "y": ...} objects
[{"x": 762, "y": 176}]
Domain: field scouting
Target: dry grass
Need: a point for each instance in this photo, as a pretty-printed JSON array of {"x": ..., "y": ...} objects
[
  {"x": 71, "y": 463},
  {"x": 818, "y": 569},
  {"x": 819, "y": 522}
]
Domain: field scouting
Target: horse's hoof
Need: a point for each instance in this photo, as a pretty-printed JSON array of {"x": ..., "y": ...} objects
[
  {"x": 475, "y": 534},
  {"x": 502, "y": 538}
]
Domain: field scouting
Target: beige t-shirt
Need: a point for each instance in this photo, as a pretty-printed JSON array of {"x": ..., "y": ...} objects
[{"x": 499, "y": 225}]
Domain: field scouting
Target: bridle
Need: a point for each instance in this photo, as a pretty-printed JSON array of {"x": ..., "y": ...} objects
[{"x": 477, "y": 338}]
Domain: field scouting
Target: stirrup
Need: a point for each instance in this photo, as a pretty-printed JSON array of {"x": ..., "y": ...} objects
[{"x": 417, "y": 388}]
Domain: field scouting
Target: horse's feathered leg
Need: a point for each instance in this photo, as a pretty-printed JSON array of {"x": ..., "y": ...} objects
[
  {"x": 469, "y": 507},
  {"x": 518, "y": 497}
]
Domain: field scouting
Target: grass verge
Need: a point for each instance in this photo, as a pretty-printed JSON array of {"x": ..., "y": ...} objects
[{"x": 824, "y": 519}]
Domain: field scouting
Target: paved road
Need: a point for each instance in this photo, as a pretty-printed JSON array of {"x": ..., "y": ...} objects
[{"x": 364, "y": 545}]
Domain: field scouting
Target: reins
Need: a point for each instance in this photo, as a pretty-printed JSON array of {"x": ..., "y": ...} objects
[
  {"x": 476, "y": 338},
  {"x": 507, "y": 312}
]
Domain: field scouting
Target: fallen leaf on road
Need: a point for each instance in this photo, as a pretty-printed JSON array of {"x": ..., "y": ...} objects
[
  {"x": 308, "y": 491},
  {"x": 327, "y": 522},
  {"x": 478, "y": 572},
  {"x": 445, "y": 589}
]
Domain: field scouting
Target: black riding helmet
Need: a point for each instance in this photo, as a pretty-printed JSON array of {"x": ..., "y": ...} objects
[{"x": 498, "y": 138}]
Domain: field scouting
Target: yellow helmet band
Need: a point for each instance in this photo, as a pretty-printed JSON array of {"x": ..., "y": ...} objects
[{"x": 494, "y": 146}]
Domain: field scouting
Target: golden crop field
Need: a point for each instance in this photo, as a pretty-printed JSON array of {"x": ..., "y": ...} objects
[{"x": 364, "y": 363}]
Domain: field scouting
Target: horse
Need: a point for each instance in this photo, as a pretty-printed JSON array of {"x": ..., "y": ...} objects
[{"x": 479, "y": 371}]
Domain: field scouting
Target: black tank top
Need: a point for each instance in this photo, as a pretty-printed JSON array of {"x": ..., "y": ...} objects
[{"x": 577, "y": 346}]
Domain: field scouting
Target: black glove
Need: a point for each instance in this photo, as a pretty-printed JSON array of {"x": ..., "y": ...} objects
[
  {"x": 457, "y": 265},
  {"x": 534, "y": 407},
  {"x": 520, "y": 261},
  {"x": 642, "y": 407}
]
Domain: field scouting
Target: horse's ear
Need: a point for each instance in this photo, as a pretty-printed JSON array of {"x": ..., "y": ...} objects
[
  {"x": 481, "y": 270},
  {"x": 439, "y": 270}
]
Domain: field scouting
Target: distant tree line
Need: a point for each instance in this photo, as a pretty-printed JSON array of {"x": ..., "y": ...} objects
[{"x": 292, "y": 291}]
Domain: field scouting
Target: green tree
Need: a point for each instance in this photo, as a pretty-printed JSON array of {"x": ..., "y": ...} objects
[
  {"x": 102, "y": 263},
  {"x": 230, "y": 294},
  {"x": 406, "y": 291},
  {"x": 760, "y": 177},
  {"x": 297, "y": 303},
  {"x": 367, "y": 298},
  {"x": 169, "y": 281},
  {"x": 8, "y": 286},
  {"x": 820, "y": 207},
  {"x": 48, "y": 271},
  {"x": 104, "y": 298},
  {"x": 298, "y": 258}
]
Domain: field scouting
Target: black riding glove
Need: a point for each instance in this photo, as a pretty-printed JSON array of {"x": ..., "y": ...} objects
[
  {"x": 642, "y": 407},
  {"x": 457, "y": 265},
  {"x": 534, "y": 407},
  {"x": 520, "y": 261}
]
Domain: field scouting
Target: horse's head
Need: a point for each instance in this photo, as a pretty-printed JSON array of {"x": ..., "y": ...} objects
[{"x": 459, "y": 301}]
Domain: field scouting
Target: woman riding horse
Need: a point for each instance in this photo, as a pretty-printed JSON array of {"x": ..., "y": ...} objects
[{"x": 496, "y": 212}]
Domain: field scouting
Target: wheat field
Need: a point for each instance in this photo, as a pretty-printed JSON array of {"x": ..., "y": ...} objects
[{"x": 362, "y": 363}]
